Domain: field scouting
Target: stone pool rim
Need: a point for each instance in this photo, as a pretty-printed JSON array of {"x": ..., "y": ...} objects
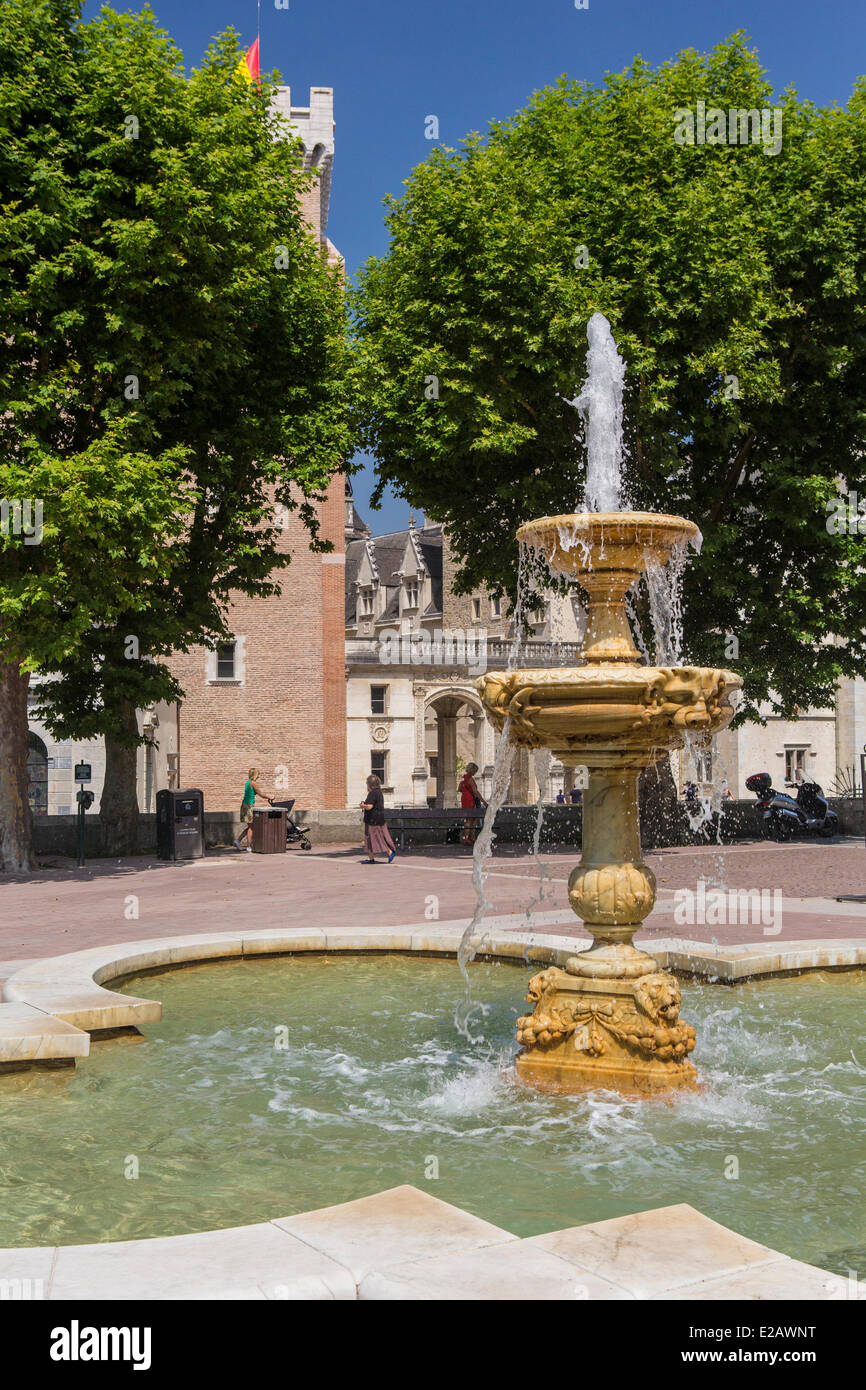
[
  {"x": 51, "y": 1007},
  {"x": 403, "y": 1243}
]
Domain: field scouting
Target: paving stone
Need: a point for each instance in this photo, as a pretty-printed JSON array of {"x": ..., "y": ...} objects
[
  {"x": 390, "y": 1228},
  {"x": 655, "y": 1251},
  {"x": 246, "y": 1262},
  {"x": 519, "y": 1271}
]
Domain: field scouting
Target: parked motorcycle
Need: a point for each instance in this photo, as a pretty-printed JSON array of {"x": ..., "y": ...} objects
[{"x": 781, "y": 816}]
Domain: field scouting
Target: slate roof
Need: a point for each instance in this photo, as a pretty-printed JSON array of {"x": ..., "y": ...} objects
[{"x": 388, "y": 552}]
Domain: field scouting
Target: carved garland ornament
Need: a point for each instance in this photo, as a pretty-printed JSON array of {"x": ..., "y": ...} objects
[{"x": 649, "y": 1027}]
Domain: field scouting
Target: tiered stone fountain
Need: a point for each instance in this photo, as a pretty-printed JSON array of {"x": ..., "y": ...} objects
[{"x": 611, "y": 1017}]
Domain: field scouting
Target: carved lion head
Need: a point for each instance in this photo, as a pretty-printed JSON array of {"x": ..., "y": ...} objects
[{"x": 659, "y": 997}]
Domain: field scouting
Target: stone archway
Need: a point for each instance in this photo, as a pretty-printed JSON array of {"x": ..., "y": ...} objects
[{"x": 458, "y": 728}]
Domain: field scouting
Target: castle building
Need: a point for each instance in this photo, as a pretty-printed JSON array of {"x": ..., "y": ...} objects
[
  {"x": 414, "y": 651},
  {"x": 415, "y": 648}
]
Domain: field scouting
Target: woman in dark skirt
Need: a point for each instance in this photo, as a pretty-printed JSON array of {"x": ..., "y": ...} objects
[{"x": 377, "y": 837}]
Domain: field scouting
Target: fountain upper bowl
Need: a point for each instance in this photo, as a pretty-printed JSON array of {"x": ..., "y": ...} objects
[
  {"x": 597, "y": 542},
  {"x": 609, "y": 713}
]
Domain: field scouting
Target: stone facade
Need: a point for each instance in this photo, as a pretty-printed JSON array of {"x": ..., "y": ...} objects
[
  {"x": 418, "y": 722},
  {"x": 817, "y": 742},
  {"x": 414, "y": 651}
]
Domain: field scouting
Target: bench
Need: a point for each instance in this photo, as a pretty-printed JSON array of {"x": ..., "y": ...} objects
[{"x": 402, "y": 819}]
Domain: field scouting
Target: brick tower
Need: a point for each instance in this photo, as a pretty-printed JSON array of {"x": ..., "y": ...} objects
[{"x": 276, "y": 698}]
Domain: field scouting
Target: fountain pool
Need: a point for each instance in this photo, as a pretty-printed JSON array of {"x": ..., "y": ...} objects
[{"x": 376, "y": 1086}]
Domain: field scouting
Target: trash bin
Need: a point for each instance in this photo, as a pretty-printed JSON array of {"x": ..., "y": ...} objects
[
  {"x": 269, "y": 830},
  {"x": 180, "y": 824}
]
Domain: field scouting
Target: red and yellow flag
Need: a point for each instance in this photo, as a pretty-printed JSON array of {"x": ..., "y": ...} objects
[{"x": 248, "y": 66}]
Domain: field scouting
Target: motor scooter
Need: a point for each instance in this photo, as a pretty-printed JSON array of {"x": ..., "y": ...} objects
[{"x": 781, "y": 817}]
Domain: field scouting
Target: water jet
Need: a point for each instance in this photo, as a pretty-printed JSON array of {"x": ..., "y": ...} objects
[{"x": 611, "y": 1017}]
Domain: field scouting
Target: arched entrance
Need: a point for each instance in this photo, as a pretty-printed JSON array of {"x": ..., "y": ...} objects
[
  {"x": 454, "y": 735},
  {"x": 37, "y": 776}
]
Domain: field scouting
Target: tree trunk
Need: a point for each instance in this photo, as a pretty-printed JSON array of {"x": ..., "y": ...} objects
[
  {"x": 660, "y": 817},
  {"x": 118, "y": 807},
  {"x": 16, "y": 821}
]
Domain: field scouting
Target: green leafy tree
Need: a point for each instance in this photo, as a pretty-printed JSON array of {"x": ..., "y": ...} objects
[
  {"x": 166, "y": 283},
  {"x": 85, "y": 537},
  {"x": 733, "y": 278}
]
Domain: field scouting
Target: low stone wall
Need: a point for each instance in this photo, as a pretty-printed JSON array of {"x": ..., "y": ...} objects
[
  {"x": 59, "y": 834},
  {"x": 515, "y": 825},
  {"x": 849, "y": 809}
]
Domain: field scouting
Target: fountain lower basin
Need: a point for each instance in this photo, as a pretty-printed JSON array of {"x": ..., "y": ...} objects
[{"x": 230, "y": 1130}]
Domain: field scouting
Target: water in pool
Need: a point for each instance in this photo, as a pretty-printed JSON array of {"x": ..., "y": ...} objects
[{"x": 375, "y": 1087}]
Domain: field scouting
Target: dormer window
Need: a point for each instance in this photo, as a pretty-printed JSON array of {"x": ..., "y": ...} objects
[
  {"x": 411, "y": 600},
  {"x": 365, "y": 603}
]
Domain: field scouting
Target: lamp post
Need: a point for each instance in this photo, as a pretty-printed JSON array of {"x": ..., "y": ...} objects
[{"x": 85, "y": 801}]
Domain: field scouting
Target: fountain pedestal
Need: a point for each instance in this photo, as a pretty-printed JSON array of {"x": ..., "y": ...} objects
[{"x": 611, "y": 1017}]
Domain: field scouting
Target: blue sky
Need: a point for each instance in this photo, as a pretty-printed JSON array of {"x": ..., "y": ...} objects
[{"x": 394, "y": 62}]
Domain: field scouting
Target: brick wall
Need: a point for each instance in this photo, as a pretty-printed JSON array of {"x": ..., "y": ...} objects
[{"x": 285, "y": 710}]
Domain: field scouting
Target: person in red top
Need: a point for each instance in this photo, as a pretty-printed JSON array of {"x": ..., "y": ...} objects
[{"x": 470, "y": 798}]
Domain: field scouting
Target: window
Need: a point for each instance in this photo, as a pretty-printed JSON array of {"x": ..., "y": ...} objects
[
  {"x": 476, "y": 610},
  {"x": 411, "y": 595},
  {"x": 795, "y": 761},
  {"x": 225, "y": 661},
  {"x": 496, "y": 607},
  {"x": 377, "y": 765},
  {"x": 378, "y": 695},
  {"x": 365, "y": 603}
]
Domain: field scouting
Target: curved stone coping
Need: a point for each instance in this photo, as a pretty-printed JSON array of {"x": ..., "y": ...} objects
[
  {"x": 68, "y": 989},
  {"x": 402, "y": 1244},
  {"x": 406, "y": 1244}
]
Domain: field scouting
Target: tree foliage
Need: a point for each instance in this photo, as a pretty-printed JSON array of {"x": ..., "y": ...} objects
[
  {"x": 733, "y": 280},
  {"x": 162, "y": 297}
]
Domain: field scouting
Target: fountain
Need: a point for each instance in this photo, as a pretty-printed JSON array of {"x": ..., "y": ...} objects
[{"x": 611, "y": 1017}]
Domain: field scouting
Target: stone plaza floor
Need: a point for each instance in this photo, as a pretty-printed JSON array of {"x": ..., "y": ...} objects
[{"x": 63, "y": 908}]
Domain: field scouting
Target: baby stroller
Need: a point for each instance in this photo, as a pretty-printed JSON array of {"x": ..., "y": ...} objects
[{"x": 293, "y": 834}]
